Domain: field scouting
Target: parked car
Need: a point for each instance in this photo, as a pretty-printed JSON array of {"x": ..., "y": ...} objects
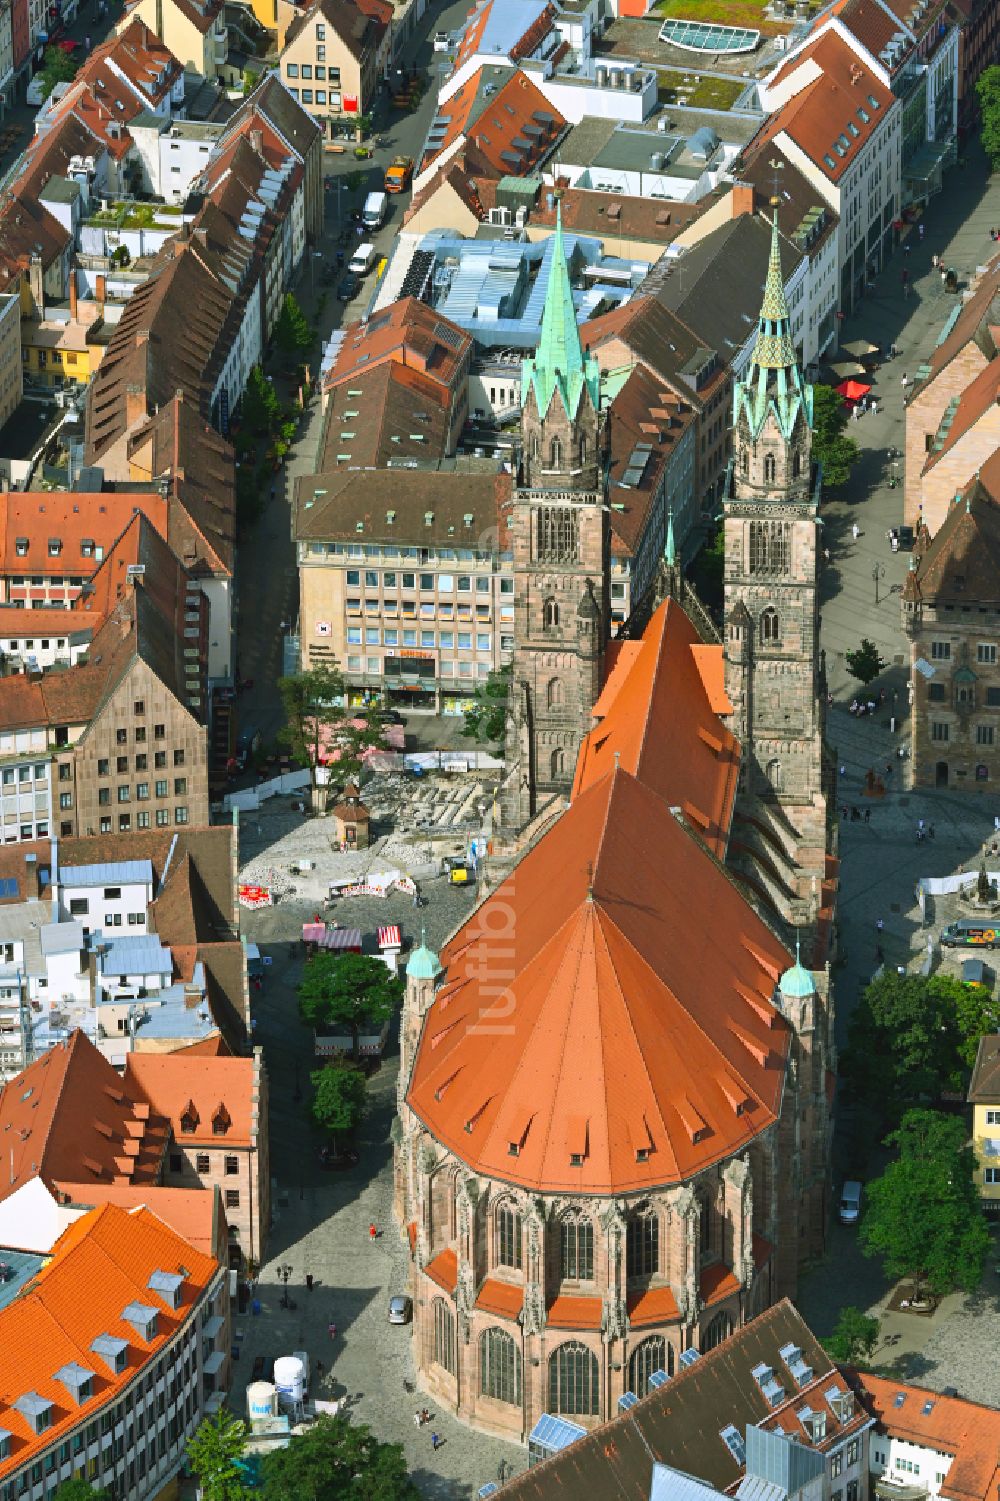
[
  {"x": 400, "y": 1310},
  {"x": 442, "y": 41},
  {"x": 850, "y": 1202},
  {"x": 391, "y": 716},
  {"x": 363, "y": 259},
  {"x": 348, "y": 287}
]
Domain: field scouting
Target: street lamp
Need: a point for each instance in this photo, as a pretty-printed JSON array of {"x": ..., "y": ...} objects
[
  {"x": 284, "y": 1272},
  {"x": 878, "y": 572}
]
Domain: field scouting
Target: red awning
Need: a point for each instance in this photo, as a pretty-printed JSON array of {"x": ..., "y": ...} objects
[
  {"x": 341, "y": 938},
  {"x": 390, "y": 937},
  {"x": 853, "y": 390}
]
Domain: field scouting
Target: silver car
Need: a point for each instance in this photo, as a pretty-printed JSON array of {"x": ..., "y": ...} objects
[{"x": 400, "y": 1310}]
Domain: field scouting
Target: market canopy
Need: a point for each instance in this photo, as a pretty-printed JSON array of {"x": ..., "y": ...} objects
[
  {"x": 860, "y": 349},
  {"x": 846, "y": 369},
  {"x": 853, "y": 390}
]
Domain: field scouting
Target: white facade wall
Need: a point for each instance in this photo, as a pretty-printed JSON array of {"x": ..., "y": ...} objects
[
  {"x": 121, "y": 916},
  {"x": 26, "y": 786},
  {"x": 244, "y": 352},
  {"x": 577, "y": 100},
  {"x": 909, "y": 1464}
]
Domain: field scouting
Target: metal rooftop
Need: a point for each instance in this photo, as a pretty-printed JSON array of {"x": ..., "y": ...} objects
[
  {"x": 118, "y": 873},
  {"x": 17, "y": 1269}
]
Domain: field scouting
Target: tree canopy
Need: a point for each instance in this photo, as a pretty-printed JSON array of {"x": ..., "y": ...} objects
[
  {"x": 292, "y": 333},
  {"x": 79, "y": 1489},
  {"x": 214, "y": 1453},
  {"x": 487, "y": 717},
  {"x": 57, "y": 67},
  {"x": 349, "y": 990},
  {"x": 339, "y": 1099},
  {"x": 335, "y": 1458},
  {"x": 924, "y": 1216},
  {"x": 319, "y": 728},
  {"x": 988, "y": 94},
  {"x": 830, "y": 445},
  {"x": 864, "y": 663},
  {"x": 912, "y": 1038},
  {"x": 261, "y": 408},
  {"x": 854, "y": 1337}
]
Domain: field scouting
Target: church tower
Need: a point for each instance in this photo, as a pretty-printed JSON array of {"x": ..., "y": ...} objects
[
  {"x": 774, "y": 676},
  {"x": 561, "y": 543}
]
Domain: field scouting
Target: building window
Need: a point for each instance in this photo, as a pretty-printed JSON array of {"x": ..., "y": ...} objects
[
  {"x": 444, "y": 1336},
  {"x": 65, "y": 771},
  {"x": 550, "y": 614},
  {"x": 179, "y": 757},
  {"x": 940, "y": 651},
  {"x": 574, "y": 1381},
  {"x": 557, "y": 534},
  {"x": 770, "y": 628},
  {"x": 557, "y": 763},
  {"x": 159, "y": 760},
  {"x": 161, "y": 789},
  {"x": 719, "y": 1329},
  {"x": 232, "y": 1198},
  {"x": 836, "y": 1464},
  {"x": 159, "y": 732},
  {"x": 768, "y": 547},
  {"x": 121, "y": 765},
  {"x": 555, "y": 453},
  {"x": 554, "y": 693},
  {"x": 292, "y": 70},
  {"x": 984, "y": 734},
  {"x": 936, "y": 693},
  {"x": 852, "y": 1452},
  {"x": 180, "y": 815},
  {"x": 201, "y": 1162},
  {"x": 139, "y": 708},
  {"x": 499, "y": 1366},
  {"x": 65, "y": 799},
  {"x": 642, "y": 1244},
  {"x": 176, "y": 1162},
  {"x": 103, "y": 768},
  {"x": 507, "y": 1233},
  {"x": 232, "y": 1165},
  {"x": 770, "y": 469},
  {"x": 142, "y": 791},
  {"x": 939, "y": 730},
  {"x": 986, "y": 653},
  {"x": 992, "y": 1175},
  {"x": 652, "y": 1355},
  {"x": 576, "y": 1249}
]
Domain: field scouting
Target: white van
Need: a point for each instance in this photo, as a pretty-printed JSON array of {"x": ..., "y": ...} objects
[
  {"x": 850, "y": 1202},
  {"x": 375, "y": 209},
  {"x": 37, "y": 92},
  {"x": 363, "y": 259}
]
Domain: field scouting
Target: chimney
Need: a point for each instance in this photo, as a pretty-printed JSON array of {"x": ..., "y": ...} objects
[
  {"x": 73, "y": 296},
  {"x": 742, "y": 198},
  {"x": 31, "y": 890},
  {"x": 36, "y": 275},
  {"x": 100, "y": 290},
  {"x": 257, "y": 140},
  {"x": 200, "y": 234},
  {"x": 135, "y": 404}
]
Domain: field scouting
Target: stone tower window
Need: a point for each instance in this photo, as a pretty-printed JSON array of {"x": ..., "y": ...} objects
[
  {"x": 576, "y": 1249},
  {"x": 796, "y": 465},
  {"x": 770, "y": 628},
  {"x": 550, "y": 614},
  {"x": 554, "y": 693},
  {"x": 652, "y": 1355},
  {"x": 536, "y": 447},
  {"x": 775, "y": 775},
  {"x": 557, "y": 534},
  {"x": 499, "y": 1366},
  {"x": 768, "y": 547},
  {"x": 642, "y": 1244},
  {"x": 574, "y": 1380},
  {"x": 557, "y": 763},
  {"x": 555, "y": 454},
  {"x": 770, "y": 469},
  {"x": 444, "y": 1335},
  {"x": 583, "y": 450},
  {"x": 745, "y": 459}
]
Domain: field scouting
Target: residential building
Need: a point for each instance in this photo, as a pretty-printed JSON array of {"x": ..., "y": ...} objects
[
  {"x": 951, "y": 615},
  {"x": 927, "y": 1443},
  {"x": 834, "y": 116},
  {"x": 382, "y": 589},
  {"x": 966, "y": 438},
  {"x": 680, "y": 158},
  {"x": 217, "y": 1109},
  {"x": 965, "y": 347},
  {"x": 643, "y": 331},
  {"x": 7, "y": 69},
  {"x": 332, "y": 57},
  {"x": 11, "y": 376},
  {"x": 984, "y": 1097},
  {"x": 766, "y": 1408},
  {"x": 123, "y": 735},
  {"x": 493, "y": 122},
  {"x": 52, "y": 543},
  {"x": 394, "y": 387},
  {"x": 193, "y": 30},
  {"x": 978, "y": 42},
  {"x": 110, "y": 1387}
]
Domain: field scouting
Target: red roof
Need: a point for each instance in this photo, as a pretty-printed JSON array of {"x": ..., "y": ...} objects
[
  {"x": 444, "y": 1270},
  {"x": 654, "y": 1305},
  {"x": 568, "y": 1312},
  {"x": 502, "y": 1298},
  {"x": 951, "y": 1425}
]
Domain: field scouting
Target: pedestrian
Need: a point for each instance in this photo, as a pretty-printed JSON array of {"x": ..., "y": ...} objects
[
  {"x": 920, "y": 230},
  {"x": 930, "y": 831},
  {"x": 309, "y": 1282},
  {"x": 880, "y": 925},
  {"x": 435, "y": 1442},
  {"x": 855, "y": 531},
  {"x": 320, "y": 1368},
  {"x": 874, "y": 406},
  {"x": 417, "y": 1420},
  {"x": 888, "y": 768},
  {"x": 868, "y": 815},
  {"x": 843, "y": 772},
  {"x": 373, "y": 1232},
  {"x": 905, "y": 381},
  {"x": 871, "y": 706},
  {"x": 333, "y": 1330}
]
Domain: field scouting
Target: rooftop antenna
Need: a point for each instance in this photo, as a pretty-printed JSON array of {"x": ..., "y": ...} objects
[{"x": 777, "y": 167}]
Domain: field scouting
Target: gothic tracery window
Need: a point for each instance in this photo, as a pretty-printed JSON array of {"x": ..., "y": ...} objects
[
  {"x": 557, "y": 533},
  {"x": 770, "y": 627},
  {"x": 550, "y": 613},
  {"x": 770, "y": 469},
  {"x": 768, "y": 547}
]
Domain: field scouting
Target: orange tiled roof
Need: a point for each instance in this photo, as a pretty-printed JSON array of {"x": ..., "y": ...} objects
[
  {"x": 69, "y": 518},
  {"x": 192, "y": 1213},
  {"x": 567, "y": 1312},
  {"x": 968, "y": 1430},
  {"x": 980, "y": 396},
  {"x": 100, "y": 1265},
  {"x": 502, "y": 1298},
  {"x": 717, "y": 1282},
  {"x": 70, "y": 1117},
  {"x": 491, "y": 123},
  {"x": 444, "y": 1270},
  {"x": 171, "y": 1083},
  {"x": 658, "y": 716},
  {"x": 655, "y": 1305},
  {"x": 634, "y": 1047}
]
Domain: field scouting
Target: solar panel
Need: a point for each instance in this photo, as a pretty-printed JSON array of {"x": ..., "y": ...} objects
[
  {"x": 688, "y": 1358},
  {"x": 627, "y": 1400},
  {"x": 657, "y": 1379},
  {"x": 553, "y": 1433}
]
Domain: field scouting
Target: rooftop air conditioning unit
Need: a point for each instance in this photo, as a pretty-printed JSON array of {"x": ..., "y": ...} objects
[{"x": 500, "y": 216}]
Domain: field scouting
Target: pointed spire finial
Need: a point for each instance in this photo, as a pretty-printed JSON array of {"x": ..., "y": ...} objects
[
  {"x": 559, "y": 362},
  {"x": 670, "y": 550}
]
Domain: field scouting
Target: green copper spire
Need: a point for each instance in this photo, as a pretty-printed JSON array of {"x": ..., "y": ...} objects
[
  {"x": 559, "y": 363},
  {"x": 773, "y": 381},
  {"x": 670, "y": 551}
]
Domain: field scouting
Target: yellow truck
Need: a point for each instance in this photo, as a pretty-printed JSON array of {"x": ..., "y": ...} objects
[{"x": 399, "y": 174}]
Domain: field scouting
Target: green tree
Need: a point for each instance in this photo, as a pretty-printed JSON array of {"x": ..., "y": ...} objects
[
  {"x": 855, "y": 1336},
  {"x": 261, "y": 408},
  {"x": 911, "y": 1037},
  {"x": 334, "y": 1458},
  {"x": 318, "y": 723},
  {"x": 348, "y": 990},
  {"x": 340, "y": 1098},
  {"x": 292, "y": 333},
  {"x": 830, "y": 445},
  {"x": 924, "y": 1216},
  {"x": 707, "y": 568},
  {"x": 864, "y": 663},
  {"x": 988, "y": 94},
  {"x": 78, "y": 1489},
  {"x": 486, "y": 719},
  {"x": 215, "y": 1452},
  {"x": 57, "y": 67}
]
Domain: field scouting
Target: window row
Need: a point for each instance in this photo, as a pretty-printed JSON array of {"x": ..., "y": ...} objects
[
  {"x": 445, "y": 583},
  {"x": 373, "y": 635},
  {"x": 142, "y": 821},
  {"x": 141, "y": 763}
]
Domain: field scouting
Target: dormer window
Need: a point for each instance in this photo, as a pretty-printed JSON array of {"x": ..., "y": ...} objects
[
  {"x": 114, "y": 1352},
  {"x": 189, "y": 1119},
  {"x": 78, "y": 1381},
  {"x": 144, "y": 1320},
  {"x": 21, "y": 547},
  {"x": 87, "y": 547},
  {"x": 55, "y": 547},
  {"x": 4, "y": 1444},
  {"x": 168, "y": 1286},
  {"x": 814, "y": 1423},
  {"x": 36, "y": 1411},
  {"x": 221, "y": 1120}
]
